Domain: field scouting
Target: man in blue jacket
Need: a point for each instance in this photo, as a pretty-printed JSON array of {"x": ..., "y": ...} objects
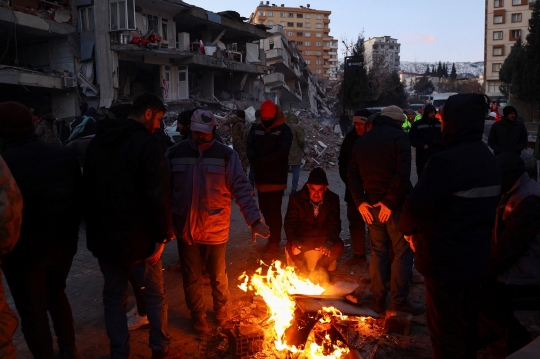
[
  {"x": 448, "y": 219},
  {"x": 206, "y": 176}
]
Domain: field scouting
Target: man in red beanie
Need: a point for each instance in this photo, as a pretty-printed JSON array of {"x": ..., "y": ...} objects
[{"x": 268, "y": 147}]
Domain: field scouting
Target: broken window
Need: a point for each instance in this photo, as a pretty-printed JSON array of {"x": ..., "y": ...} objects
[
  {"x": 165, "y": 30},
  {"x": 86, "y": 19},
  {"x": 271, "y": 45},
  {"x": 122, "y": 13}
]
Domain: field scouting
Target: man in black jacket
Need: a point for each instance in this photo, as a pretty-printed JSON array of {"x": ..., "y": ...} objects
[
  {"x": 448, "y": 219},
  {"x": 345, "y": 123},
  {"x": 49, "y": 178},
  {"x": 508, "y": 135},
  {"x": 423, "y": 135},
  {"x": 268, "y": 147},
  {"x": 313, "y": 225},
  {"x": 379, "y": 179},
  {"x": 128, "y": 219},
  {"x": 357, "y": 226}
]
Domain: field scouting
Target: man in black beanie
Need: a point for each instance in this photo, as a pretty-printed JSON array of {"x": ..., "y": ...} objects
[
  {"x": 448, "y": 219},
  {"x": 313, "y": 225},
  {"x": 423, "y": 135},
  {"x": 508, "y": 135}
]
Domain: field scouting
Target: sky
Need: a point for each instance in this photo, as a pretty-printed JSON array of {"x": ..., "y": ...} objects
[{"x": 428, "y": 30}]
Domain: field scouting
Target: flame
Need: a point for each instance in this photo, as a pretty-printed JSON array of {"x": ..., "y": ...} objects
[{"x": 276, "y": 288}]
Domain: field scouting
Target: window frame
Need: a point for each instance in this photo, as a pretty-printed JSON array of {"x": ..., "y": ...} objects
[
  {"x": 270, "y": 22},
  {"x": 520, "y": 17},
  {"x": 498, "y": 47},
  {"x": 129, "y": 14},
  {"x": 90, "y": 21},
  {"x": 512, "y": 37},
  {"x": 498, "y": 67},
  {"x": 497, "y": 16},
  {"x": 307, "y": 34},
  {"x": 299, "y": 34},
  {"x": 501, "y": 4},
  {"x": 290, "y": 24},
  {"x": 270, "y": 14},
  {"x": 498, "y": 32},
  {"x": 165, "y": 36}
]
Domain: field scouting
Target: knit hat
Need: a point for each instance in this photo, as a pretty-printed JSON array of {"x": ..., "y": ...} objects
[
  {"x": 268, "y": 109},
  {"x": 203, "y": 121},
  {"x": 508, "y": 110},
  {"x": 15, "y": 119},
  {"x": 361, "y": 115},
  {"x": 393, "y": 112},
  {"x": 317, "y": 177}
]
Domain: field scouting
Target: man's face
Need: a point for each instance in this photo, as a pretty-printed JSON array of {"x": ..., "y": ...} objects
[
  {"x": 267, "y": 121},
  {"x": 316, "y": 192},
  {"x": 360, "y": 128},
  {"x": 152, "y": 119},
  {"x": 202, "y": 138},
  {"x": 511, "y": 116},
  {"x": 432, "y": 115},
  {"x": 182, "y": 129}
]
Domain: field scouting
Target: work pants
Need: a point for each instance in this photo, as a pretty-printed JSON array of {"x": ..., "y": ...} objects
[
  {"x": 357, "y": 228},
  {"x": 270, "y": 205},
  {"x": 8, "y": 325}
]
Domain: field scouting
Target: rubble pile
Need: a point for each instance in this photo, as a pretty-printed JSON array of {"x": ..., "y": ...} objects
[{"x": 51, "y": 10}]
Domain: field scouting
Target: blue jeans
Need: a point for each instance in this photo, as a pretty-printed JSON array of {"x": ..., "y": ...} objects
[
  {"x": 295, "y": 178},
  {"x": 382, "y": 236},
  {"x": 115, "y": 297}
]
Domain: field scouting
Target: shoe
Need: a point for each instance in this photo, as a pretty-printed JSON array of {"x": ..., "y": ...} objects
[
  {"x": 68, "y": 353},
  {"x": 136, "y": 321},
  {"x": 356, "y": 259},
  {"x": 409, "y": 307},
  {"x": 200, "y": 324},
  {"x": 167, "y": 353},
  {"x": 379, "y": 306},
  {"x": 222, "y": 315},
  {"x": 175, "y": 268}
]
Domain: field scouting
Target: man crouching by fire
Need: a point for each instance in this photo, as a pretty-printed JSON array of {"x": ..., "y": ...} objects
[
  {"x": 313, "y": 225},
  {"x": 205, "y": 175}
]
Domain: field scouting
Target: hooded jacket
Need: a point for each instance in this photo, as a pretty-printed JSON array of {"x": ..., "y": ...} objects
[
  {"x": 508, "y": 136},
  {"x": 204, "y": 181},
  {"x": 298, "y": 142},
  {"x": 127, "y": 188},
  {"x": 380, "y": 166},
  {"x": 425, "y": 132},
  {"x": 268, "y": 153},
  {"x": 451, "y": 211}
]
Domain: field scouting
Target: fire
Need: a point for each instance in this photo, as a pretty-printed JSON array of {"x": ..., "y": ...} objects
[{"x": 276, "y": 288}]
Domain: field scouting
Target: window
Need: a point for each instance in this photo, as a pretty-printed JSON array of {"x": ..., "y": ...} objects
[
  {"x": 515, "y": 34},
  {"x": 299, "y": 34},
  {"x": 318, "y": 16},
  {"x": 308, "y": 16},
  {"x": 290, "y": 33},
  {"x": 319, "y": 71},
  {"x": 493, "y": 86},
  {"x": 86, "y": 19},
  {"x": 498, "y": 50},
  {"x": 308, "y": 62},
  {"x": 299, "y": 24},
  {"x": 270, "y": 23},
  {"x": 318, "y": 34},
  {"x": 318, "y": 43},
  {"x": 318, "y": 26},
  {"x": 318, "y": 53},
  {"x": 307, "y": 34},
  {"x": 517, "y": 2},
  {"x": 498, "y": 3},
  {"x": 270, "y": 13},
  {"x": 299, "y": 16},
  {"x": 165, "y": 30},
  {"x": 300, "y": 43},
  {"x": 497, "y": 35},
  {"x": 318, "y": 62},
  {"x": 498, "y": 19},
  {"x": 261, "y": 13},
  {"x": 307, "y": 52},
  {"x": 496, "y": 67},
  {"x": 122, "y": 14},
  {"x": 282, "y": 14},
  {"x": 308, "y": 43},
  {"x": 290, "y": 15},
  {"x": 282, "y": 23},
  {"x": 290, "y": 24},
  {"x": 307, "y": 24},
  {"x": 151, "y": 22},
  {"x": 516, "y": 17}
]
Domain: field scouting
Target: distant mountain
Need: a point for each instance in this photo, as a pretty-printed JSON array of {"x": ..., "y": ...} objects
[{"x": 463, "y": 69}]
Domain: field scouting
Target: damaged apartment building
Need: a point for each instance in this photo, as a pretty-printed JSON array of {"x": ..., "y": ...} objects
[{"x": 38, "y": 55}]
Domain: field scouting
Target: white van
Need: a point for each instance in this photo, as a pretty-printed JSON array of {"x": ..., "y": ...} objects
[{"x": 440, "y": 99}]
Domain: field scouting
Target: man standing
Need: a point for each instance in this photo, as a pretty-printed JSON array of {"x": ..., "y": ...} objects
[
  {"x": 448, "y": 218},
  {"x": 128, "y": 219},
  {"x": 239, "y": 137},
  {"x": 297, "y": 149},
  {"x": 357, "y": 226},
  {"x": 508, "y": 135},
  {"x": 11, "y": 205},
  {"x": 424, "y": 134},
  {"x": 206, "y": 175},
  {"x": 268, "y": 147},
  {"x": 344, "y": 123},
  {"x": 49, "y": 178},
  {"x": 379, "y": 179}
]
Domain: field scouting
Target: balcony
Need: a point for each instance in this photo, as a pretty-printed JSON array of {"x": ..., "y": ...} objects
[
  {"x": 326, "y": 21},
  {"x": 328, "y": 38},
  {"x": 326, "y": 57},
  {"x": 326, "y": 30},
  {"x": 326, "y": 48},
  {"x": 274, "y": 54},
  {"x": 326, "y": 66},
  {"x": 277, "y": 78}
]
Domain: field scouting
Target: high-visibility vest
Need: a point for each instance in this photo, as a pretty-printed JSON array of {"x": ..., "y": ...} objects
[
  {"x": 406, "y": 125},
  {"x": 418, "y": 117}
]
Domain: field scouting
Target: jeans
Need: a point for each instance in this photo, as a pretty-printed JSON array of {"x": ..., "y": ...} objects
[
  {"x": 115, "y": 297},
  {"x": 37, "y": 286},
  {"x": 8, "y": 325},
  {"x": 139, "y": 299},
  {"x": 193, "y": 259},
  {"x": 357, "y": 228},
  {"x": 384, "y": 235},
  {"x": 452, "y": 318},
  {"x": 295, "y": 178},
  {"x": 270, "y": 205}
]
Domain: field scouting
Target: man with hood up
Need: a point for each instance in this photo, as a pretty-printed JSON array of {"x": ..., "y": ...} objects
[
  {"x": 508, "y": 135},
  {"x": 297, "y": 148},
  {"x": 448, "y": 219},
  {"x": 423, "y": 135},
  {"x": 268, "y": 147}
]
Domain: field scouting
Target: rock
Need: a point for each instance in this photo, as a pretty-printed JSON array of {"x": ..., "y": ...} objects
[{"x": 397, "y": 323}]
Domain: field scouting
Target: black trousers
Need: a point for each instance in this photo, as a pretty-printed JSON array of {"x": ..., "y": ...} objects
[
  {"x": 452, "y": 318},
  {"x": 270, "y": 205},
  {"x": 357, "y": 228},
  {"x": 37, "y": 286}
]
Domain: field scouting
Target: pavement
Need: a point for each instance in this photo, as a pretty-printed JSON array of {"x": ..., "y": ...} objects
[{"x": 85, "y": 282}]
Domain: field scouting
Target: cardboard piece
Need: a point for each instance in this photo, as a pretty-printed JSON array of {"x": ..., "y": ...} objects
[{"x": 312, "y": 304}]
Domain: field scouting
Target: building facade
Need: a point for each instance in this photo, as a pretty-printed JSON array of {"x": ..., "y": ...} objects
[
  {"x": 309, "y": 29},
  {"x": 382, "y": 52},
  {"x": 506, "y": 21}
]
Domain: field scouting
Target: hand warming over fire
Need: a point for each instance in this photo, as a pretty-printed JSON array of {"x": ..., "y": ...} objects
[
  {"x": 385, "y": 213},
  {"x": 326, "y": 249},
  {"x": 260, "y": 229},
  {"x": 366, "y": 214},
  {"x": 296, "y": 248},
  {"x": 154, "y": 258}
]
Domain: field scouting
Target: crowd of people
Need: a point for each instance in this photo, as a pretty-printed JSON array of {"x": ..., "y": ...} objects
[{"x": 470, "y": 226}]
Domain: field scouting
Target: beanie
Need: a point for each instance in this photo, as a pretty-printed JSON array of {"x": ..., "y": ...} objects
[
  {"x": 361, "y": 115},
  {"x": 393, "y": 112},
  {"x": 268, "y": 109},
  {"x": 508, "y": 110},
  {"x": 318, "y": 177},
  {"x": 15, "y": 119}
]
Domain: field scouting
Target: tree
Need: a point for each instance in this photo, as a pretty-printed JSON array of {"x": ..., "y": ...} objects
[
  {"x": 428, "y": 71},
  {"x": 424, "y": 86},
  {"x": 445, "y": 71},
  {"x": 532, "y": 55},
  {"x": 394, "y": 94},
  {"x": 439, "y": 70},
  {"x": 453, "y": 73},
  {"x": 354, "y": 90}
]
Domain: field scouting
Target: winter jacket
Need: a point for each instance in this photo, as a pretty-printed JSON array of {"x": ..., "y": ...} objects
[
  {"x": 301, "y": 225},
  {"x": 203, "y": 183},
  {"x": 268, "y": 153},
  {"x": 344, "y": 159},
  {"x": 49, "y": 178},
  {"x": 425, "y": 132},
  {"x": 127, "y": 188},
  {"x": 515, "y": 252},
  {"x": 451, "y": 210},
  {"x": 380, "y": 166},
  {"x": 11, "y": 205},
  {"x": 508, "y": 136},
  {"x": 47, "y": 132},
  {"x": 298, "y": 142}
]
